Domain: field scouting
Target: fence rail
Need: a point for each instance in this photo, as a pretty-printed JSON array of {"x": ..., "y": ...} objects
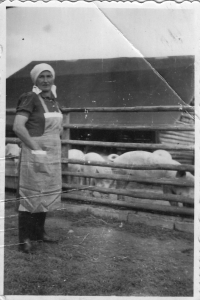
[
  {"x": 162, "y": 108},
  {"x": 133, "y": 127},
  {"x": 132, "y": 166},
  {"x": 135, "y": 194},
  {"x": 130, "y": 178},
  {"x": 13, "y": 140},
  {"x": 127, "y": 145},
  {"x": 114, "y": 144},
  {"x": 135, "y": 206}
]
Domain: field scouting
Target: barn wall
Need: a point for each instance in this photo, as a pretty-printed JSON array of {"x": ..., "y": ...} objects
[{"x": 184, "y": 138}]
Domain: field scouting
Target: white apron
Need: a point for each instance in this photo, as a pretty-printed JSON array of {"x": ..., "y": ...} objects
[{"x": 40, "y": 177}]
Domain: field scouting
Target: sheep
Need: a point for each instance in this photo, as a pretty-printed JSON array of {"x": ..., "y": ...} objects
[
  {"x": 105, "y": 183},
  {"x": 12, "y": 150},
  {"x": 143, "y": 157},
  {"x": 76, "y": 154}
]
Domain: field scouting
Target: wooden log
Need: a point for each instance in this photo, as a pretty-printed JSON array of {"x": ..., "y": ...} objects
[
  {"x": 128, "y": 145},
  {"x": 133, "y": 127},
  {"x": 113, "y": 144},
  {"x": 12, "y": 140},
  {"x": 166, "y": 108},
  {"x": 132, "y": 167},
  {"x": 11, "y": 182},
  {"x": 131, "y": 193},
  {"x": 184, "y": 161},
  {"x": 130, "y": 178},
  {"x": 135, "y": 206},
  {"x": 10, "y": 111},
  {"x": 174, "y": 142}
]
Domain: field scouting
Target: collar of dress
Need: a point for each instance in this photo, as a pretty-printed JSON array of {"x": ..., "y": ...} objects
[{"x": 37, "y": 91}]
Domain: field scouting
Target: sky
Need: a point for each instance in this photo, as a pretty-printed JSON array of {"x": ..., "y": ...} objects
[{"x": 93, "y": 31}]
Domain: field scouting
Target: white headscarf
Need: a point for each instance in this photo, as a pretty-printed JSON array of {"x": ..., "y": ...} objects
[{"x": 35, "y": 72}]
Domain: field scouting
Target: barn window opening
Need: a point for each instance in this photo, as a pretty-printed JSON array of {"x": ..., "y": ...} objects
[{"x": 120, "y": 136}]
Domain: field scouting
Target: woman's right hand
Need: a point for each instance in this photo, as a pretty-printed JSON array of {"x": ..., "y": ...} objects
[{"x": 35, "y": 146}]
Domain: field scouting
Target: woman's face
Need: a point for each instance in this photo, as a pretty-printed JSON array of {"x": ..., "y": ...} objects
[{"x": 45, "y": 81}]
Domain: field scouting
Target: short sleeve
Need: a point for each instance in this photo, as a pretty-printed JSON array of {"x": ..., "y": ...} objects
[{"x": 25, "y": 105}]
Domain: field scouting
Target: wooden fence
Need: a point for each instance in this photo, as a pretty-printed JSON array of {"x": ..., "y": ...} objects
[{"x": 76, "y": 192}]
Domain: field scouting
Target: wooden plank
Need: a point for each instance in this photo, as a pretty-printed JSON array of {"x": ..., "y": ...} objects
[
  {"x": 135, "y": 206},
  {"x": 175, "y": 142},
  {"x": 133, "y": 127},
  {"x": 183, "y": 139},
  {"x": 182, "y": 155},
  {"x": 166, "y": 108},
  {"x": 132, "y": 167},
  {"x": 182, "y": 134},
  {"x": 130, "y": 178},
  {"x": 128, "y": 145},
  {"x": 131, "y": 193}
]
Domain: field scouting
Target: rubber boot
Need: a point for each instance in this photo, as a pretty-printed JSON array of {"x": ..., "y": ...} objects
[
  {"x": 25, "y": 231},
  {"x": 35, "y": 227},
  {"x": 42, "y": 219},
  {"x": 38, "y": 229},
  {"x": 45, "y": 238}
]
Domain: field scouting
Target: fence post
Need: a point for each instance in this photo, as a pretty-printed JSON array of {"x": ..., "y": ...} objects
[{"x": 65, "y": 135}]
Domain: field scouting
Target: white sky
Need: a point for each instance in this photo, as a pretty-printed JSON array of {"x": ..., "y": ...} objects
[{"x": 70, "y": 33}]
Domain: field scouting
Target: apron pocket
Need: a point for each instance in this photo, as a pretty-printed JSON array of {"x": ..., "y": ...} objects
[{"x": 40, "y": 161}]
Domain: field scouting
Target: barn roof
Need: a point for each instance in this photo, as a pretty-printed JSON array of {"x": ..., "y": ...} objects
[
  {"x": 116, "y": 82},
  {"x": 122, "y": 64}
]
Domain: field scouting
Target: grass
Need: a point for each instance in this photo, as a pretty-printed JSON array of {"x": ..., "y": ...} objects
[{"x": 97, "y": 257}]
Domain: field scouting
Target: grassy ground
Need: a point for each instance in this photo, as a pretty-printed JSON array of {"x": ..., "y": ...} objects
[{"x": 99, "y": 257}]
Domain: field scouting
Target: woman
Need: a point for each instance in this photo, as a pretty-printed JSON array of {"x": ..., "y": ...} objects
[{"x": 38, "y": 124}]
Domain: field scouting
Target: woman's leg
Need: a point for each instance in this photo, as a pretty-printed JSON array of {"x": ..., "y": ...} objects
[
  {"x": 25, "y": 223},
  {"x": 36, "y": 232},
  {"x": 45, "y": 238},
  {"x": 37, "y": 228}
]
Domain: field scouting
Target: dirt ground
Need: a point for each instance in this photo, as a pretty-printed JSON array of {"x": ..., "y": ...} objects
[{"x": 101, "y": 257}]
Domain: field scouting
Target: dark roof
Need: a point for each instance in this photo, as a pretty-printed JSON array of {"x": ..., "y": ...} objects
[{"x": 111, "y": 65}]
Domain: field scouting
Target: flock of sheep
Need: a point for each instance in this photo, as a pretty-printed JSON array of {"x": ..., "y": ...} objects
[{"x": 129, "y": 158}]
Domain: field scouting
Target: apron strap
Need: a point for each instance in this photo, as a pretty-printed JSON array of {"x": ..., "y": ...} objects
[
  {"x": 45, "y": 107},
  {"x": 43, "y": 104},
  {"x": 58, "y": 107}
]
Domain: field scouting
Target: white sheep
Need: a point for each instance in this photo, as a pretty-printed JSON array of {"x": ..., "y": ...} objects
[
  {"x": 142, "y": 158},
  {"x": 103, "y": 183},
  {"x": 79, "y": 155}
]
